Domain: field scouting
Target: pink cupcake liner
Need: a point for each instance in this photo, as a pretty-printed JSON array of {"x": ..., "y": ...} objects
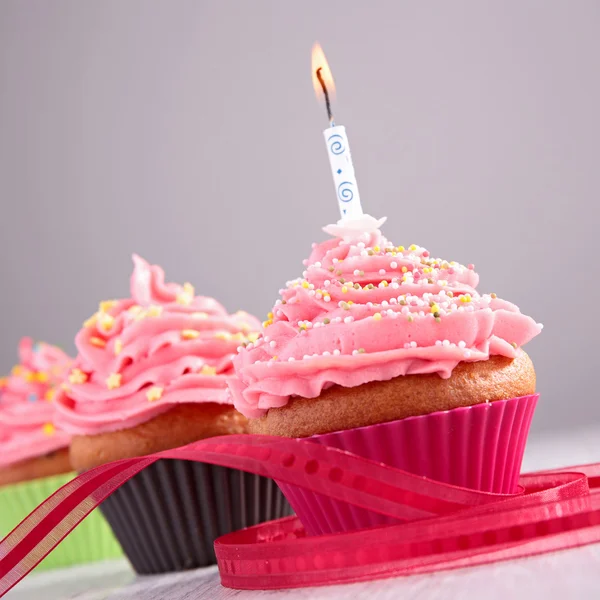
[{"x": 479, "y": 447}]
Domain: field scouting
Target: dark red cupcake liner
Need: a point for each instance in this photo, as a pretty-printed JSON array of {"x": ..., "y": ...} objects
[{"x": 479, "y": 447}]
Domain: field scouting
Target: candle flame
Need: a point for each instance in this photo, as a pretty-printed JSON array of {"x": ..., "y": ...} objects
[{"x": 320, "y": 65}]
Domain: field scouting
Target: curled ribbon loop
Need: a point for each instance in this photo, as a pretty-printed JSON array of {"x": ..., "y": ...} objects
[{"x": 443, "y": 526}]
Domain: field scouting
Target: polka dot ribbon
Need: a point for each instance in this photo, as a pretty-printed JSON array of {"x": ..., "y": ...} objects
[{"x": 441, "y": 526}]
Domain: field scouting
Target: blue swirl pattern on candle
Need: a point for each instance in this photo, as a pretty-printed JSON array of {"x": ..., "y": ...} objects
[
  {"x": 337, "y": 146},
  {"x": 344, "y": 191}
]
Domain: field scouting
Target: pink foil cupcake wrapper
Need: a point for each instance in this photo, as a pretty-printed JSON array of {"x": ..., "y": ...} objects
[{"x": 479, "y": 447}]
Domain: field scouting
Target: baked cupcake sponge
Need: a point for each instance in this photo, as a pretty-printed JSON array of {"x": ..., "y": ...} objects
[{"x": 338, "y": 408}]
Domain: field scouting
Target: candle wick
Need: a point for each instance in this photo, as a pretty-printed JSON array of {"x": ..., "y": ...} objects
[{"x": 326, "y": 94}]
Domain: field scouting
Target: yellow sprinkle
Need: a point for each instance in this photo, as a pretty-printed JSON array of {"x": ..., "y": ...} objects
[
  {"x": 113, "y": 381},
  {"x": 154, "y": 310},
  {"x": 17, "y": 370},
  {"x": 200, "y": 315},
  {"x": 3, "y": 381},
  {"x": 305, "y": 284},
  {"x": 91, "y": 321},
  {"x": 96, "y": 341},
  {"x": 492, "y": 295},
  {"x": 135, "y": 309},
  {"x": 435, "y": 308},
  {"x": 223, "y": 335},
  {"x": 412, "y": 248},
  {"x": 350, "y": 302},
  {"x": 118, "y": 347},
  {"x": 77, "y": 376},
  {"x": 106, "y": 305},
  {"x": 189, "y": 334},
  {"x": 377, "y": 316},
  {"x": 344, "y": 289},
  {"x": 49, "y": 395},
  {"x": 253, "y": 336},
  {"x": 184, "y": 298},
  {"x": 376, "y": 248},
  {"x": 29, "y": 376},
  {"x": 49, "y": 429},
  {"x": 384, "y": 283},
  {"x": 208, "y": 370},
  {"x": 265, "y": 324},
  {"x": 41, "y": 377},
  {"x": 404, "y": 269},
  {"x": 154, "y": 393},
  {"x": 106, "y": 321},
  {"x": 275, "y": 357},
  {"x": 269, "y": 315},
  {"x": 188, "y": 288},
  {"x": 465, "y": 298}
]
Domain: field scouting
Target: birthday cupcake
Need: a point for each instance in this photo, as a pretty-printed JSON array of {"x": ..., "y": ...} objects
[
  {"x": 391, "y": 353},
  {"x": 151, "y": 375},
  {"x": 34, "y": 454}
]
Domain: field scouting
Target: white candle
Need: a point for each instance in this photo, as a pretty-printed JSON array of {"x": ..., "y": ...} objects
[
  {"x": 342, "y": 171},
  {"x": 338, "y": 150}
]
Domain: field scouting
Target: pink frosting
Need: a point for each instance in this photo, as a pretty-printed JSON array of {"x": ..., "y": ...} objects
[
  {"x": 365, "y": 310},
  {"x": 139, "y": 357},
  {"x": 26, "y": 407}
]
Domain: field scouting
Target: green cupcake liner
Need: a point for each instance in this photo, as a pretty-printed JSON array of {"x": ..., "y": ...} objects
[{"x": 91, "y": 541}]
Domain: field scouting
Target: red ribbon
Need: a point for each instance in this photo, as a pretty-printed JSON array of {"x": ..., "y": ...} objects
[{"x": 445, "y": 526}]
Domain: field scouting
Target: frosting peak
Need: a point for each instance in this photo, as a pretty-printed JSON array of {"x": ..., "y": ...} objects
[
  {"x": 140, "y": 356},
  {"x": 368, "y": 310},
  {"x": 26, "y": 403}
]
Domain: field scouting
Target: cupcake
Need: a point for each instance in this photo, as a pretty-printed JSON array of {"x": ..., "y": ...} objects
[
  {"x": 34, "y": 454},
  {"x": 387, "y": 352},
  {"x": 152, "y": 375}
]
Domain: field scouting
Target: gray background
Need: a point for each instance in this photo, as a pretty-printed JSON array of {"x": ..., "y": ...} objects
[{"x": 187, "y": 131}]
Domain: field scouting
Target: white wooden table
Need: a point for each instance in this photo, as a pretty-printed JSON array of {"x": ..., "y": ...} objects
[{"x": 565, "y": 575}]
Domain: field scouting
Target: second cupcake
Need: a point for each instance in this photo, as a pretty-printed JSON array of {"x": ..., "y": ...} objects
[{"x": 151, "y": 375}]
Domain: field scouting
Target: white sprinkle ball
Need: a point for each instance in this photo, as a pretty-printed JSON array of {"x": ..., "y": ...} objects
[
  {"x": 462, "y": 344},
  {"x": 394, "y": 265},
  {"x": 272, "y": 343},
  {"x": 382, "y": 271},
  {"x": 336, "y": 352}
]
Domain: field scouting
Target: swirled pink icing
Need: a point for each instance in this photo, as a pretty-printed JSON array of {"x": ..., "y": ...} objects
[
  {"x": 140, "y": 356},
  {"x": 366, "y": 310},
  {"x": 26, "y": 406}
]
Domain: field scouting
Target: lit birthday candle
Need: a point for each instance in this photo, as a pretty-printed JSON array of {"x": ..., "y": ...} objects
[{"x": 338, "y": 149}]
